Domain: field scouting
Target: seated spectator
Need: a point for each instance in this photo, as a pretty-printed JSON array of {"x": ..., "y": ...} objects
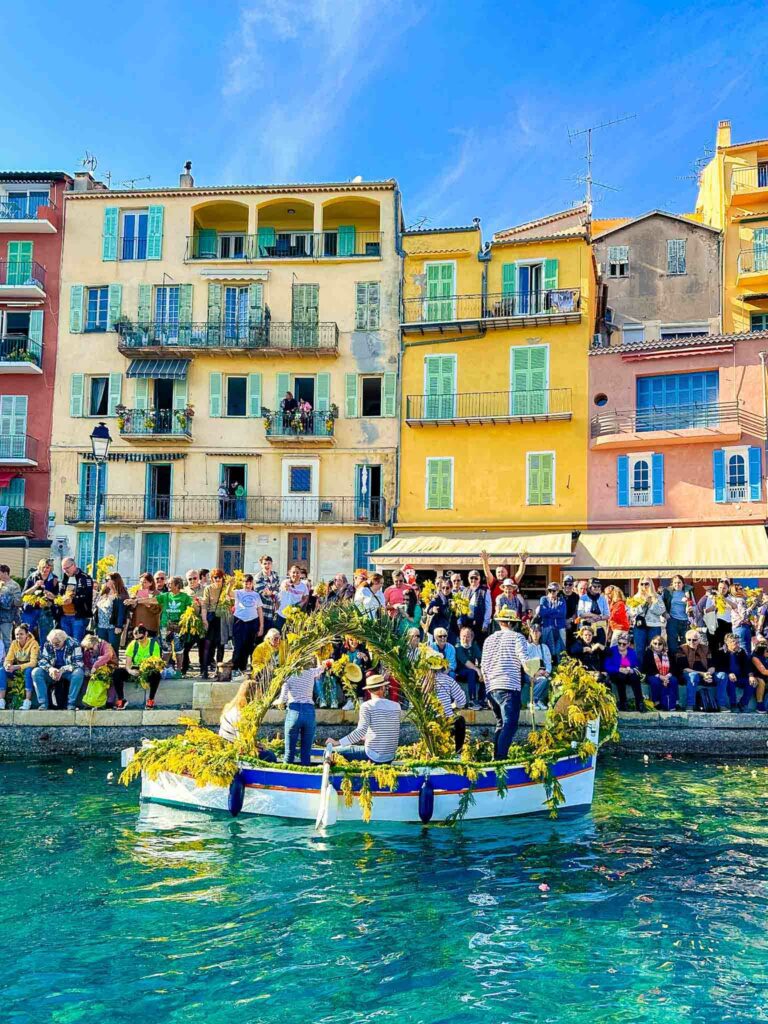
[
  {"x": 541, "y": 676},
  {"x": 414, "y": 642},
  {"x": 733, "y": 668},
  {"x": 552, "y": 613},
  {"x": 60, "y": 665},
  {"x": 97, "y": 654},
  {"x": 452, "y": 698},
  {"x": 760, "y": 671},
  {"x": 588, "y": 650},
  {"x": 142, "y": 647},
  {"x": 694, "y": 665},
  {"x": 20, "y": 659},
  {"x": 448, "y": 651},
  {"x": 622, "y": 668},
  {"x": 657, "y": 669},
  {"x": 468, "y": 674}
]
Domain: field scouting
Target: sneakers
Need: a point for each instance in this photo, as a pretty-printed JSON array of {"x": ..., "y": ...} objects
[
  {"x": 349, "y": 706},
  {"x": 237, "y": 676},
  {"x": 150, "y": 704},
  {"x": 2, "y": 703},
  {"x": 121, "y": 705},
  {"x": 26, "y": 706}
]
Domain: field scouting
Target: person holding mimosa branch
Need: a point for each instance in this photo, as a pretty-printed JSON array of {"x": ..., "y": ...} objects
[{"x": 647, "y": 613}]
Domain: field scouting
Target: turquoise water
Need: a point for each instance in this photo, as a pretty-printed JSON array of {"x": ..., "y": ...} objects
[{"x": 656, "y": 911}]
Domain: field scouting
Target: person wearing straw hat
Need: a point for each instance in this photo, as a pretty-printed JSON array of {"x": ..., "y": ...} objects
[
  {"x": 502, "y": 664},
  {"x": 378, "y": 727}
]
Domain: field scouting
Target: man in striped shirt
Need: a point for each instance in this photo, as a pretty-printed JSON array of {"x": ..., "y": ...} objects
[
  {"x": 502, "y": 661},
  {"x": 378, "y": 727},
  {"x": 452, "y": 697}
]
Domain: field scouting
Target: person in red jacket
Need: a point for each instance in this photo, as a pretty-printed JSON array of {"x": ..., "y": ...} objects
[{"x": 619, "y": 619}]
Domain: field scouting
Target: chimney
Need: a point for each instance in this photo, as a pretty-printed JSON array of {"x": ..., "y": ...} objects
[
  {"x": 185, "y": 178},
  {"x": 83, "y": 181},
  {"x": 723, "y": 137}
]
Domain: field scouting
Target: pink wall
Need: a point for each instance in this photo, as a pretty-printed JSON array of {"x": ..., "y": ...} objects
[{"x": 688, "y": 483}]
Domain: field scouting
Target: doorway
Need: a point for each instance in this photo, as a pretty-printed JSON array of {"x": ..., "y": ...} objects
[
  {"x": 299, "y": 550},
  {"x": 233, "y": 479},
  {"x": 304, "y": 390},
  {"x": 159, "y": 480},
  {"x": 231, "y": 547},
  {"x": 368, "y": 503},
  {"x": 163, "y": 407},
  {"x": 530, "y": 278}
]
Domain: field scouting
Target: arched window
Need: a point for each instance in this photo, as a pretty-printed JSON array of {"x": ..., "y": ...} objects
[
  {"x": 736, "y": 477},
  {"x": 641, "y": 482}
]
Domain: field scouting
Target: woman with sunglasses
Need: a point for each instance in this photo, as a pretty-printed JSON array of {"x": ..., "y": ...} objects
[
  {"x": 623, "y": 668},
  {"x": 216, "y": 610},
  {"x": 648, "y": 615},
  {"x": 657, "y": 669}
]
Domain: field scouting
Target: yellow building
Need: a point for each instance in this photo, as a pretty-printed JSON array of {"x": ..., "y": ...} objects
[
  {"x": 187, "y": 315},
  {"x": 493, "y": 443},
  {"x": 733, "y": 196}
]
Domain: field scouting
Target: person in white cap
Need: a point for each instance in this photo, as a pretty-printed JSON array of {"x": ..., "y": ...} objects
[{"x": 378, "y": 727}]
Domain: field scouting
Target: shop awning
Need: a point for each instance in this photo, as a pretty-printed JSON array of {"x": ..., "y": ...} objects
[
  {"x": 159, "y": 369},
  {"x": 697, "y": 552},
  {"x": 459, "y": 550}
]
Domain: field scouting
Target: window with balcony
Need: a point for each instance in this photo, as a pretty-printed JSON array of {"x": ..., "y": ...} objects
[
  {"x": 618, "y": 261},
  {"x": 237, "y": 396},
  {"x": 231, "y": 246},
  {"x": 676, "y": 256},
  {"x": 676, "y": 401},
  {"x": 97, "y": 308},
  {"x": 640, "y": 479},
  {"x": 738, "y": 474},
  {"x": 440, "y": 303},
  {"x": 762, "y": 174},
  {"x": 22, "y": 204},
  {"x": 13, "y": 426},
  {"x": 133, "y": 235}
]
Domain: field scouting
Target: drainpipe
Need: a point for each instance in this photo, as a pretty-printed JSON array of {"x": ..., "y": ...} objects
[{"x": 400, "y": 398}]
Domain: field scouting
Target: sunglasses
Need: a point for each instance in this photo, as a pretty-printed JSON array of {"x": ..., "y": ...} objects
[{"x": 622, "y": 643}]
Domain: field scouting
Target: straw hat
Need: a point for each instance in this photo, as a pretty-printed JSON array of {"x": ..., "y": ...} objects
[
  {"x": 376, "y": 682},
  {"x": 507, "y": 615}
]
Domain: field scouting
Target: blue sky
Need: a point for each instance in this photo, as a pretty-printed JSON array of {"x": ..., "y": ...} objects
[{"x": 467, "y": 104}]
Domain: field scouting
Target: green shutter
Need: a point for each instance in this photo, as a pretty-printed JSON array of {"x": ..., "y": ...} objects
[
  {"x": 254, "y": 394},
  {"x": 547, "y": 478},
  {"x": 389, "y": 395},
  {"x": 214, "y": 303},
  {"x": 374, "y": 305},
  {"x": 109, "y": 237},
  {"x": 282, "y": 384},
  {"x": 76, "y": 394},
  {"x": 508, "y": 278},
  {"x": 528, "y": 373},
  {"x": 323, "y": 392},
  {"x": 76, "y": 294},
  {"x": 20, "y": 256},
  {"x": 760, "y": 249},
  {"x": 141, "y": 393},
  {"x": 346, "y": 244},
  {"x": 144, "y": 308},
  {"x": 350, "y": 395},
  {"x": 180, "y": 392},
  {"x": 256, "y": 304},
  {"x": 115, "y": 393},
  {"x": 433, "y": 483},
  {"x": 440, "y": 291},
  {"x": 534, "y": 479},
  {"x": 155, "y": 233},
  {"x": 114, "y": 304},
  {"x": 439, "y": 484},
  {"x": 550, "y": 274},
  {"x": 185, "y": 304},
  {"x": 214, "y": 394},
  {"x": 36, "y": 325},
  {"x": 266, "y": 239},
  {"x": 439, "y": 378},
  {"x": 361, "y": 306},
  {"x": 205, "y": 244}
]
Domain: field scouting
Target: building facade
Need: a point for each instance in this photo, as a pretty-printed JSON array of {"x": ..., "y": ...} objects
[
  {"x": 494, "y": 388},
  {"x": 31, "y": 235},
  {"x": 189, "y": 317}
]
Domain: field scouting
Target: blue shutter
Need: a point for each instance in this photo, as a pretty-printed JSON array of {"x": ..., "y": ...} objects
[
  {"x": 657, "y": 479},
  {"x": 622, "y": 481},
  {"x": 755, "y": 473},
  {"x": 718, "y": 468}
]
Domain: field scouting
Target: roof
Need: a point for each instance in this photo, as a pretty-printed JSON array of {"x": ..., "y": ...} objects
[
  {"x": 682, "y": 341},
  {"x": 164, "y": 190},
  {"x": 35, "y": 176},
  {"x": 577, "y": 213},
  {"x": 683, "y": 218},
  {"x": 598, "y": 226},
  {"x": 745, "y": 145},
  {"x": 441, "y": 231}
]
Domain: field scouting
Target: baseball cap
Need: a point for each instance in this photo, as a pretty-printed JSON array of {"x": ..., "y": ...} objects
[{"x": 568, "y": 579}]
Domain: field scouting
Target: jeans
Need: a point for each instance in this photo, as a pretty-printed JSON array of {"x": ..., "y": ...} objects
[
  {"x": 540, "y": 688},
  {"x": 468, "y": 680},
  {"x": 74, "y": 627},
  {"x": 5, "y": 677},
  {"x": 42, "y": 680},
  {"x": 693, "y": 680},
  {"x": 6, "y": 632},
  {"x": 643, "y": 636},
  {"x": 744, "y": 633},
  {"x": 666, "y": 696},
  {"x": 299, "y": 730},
  {"x": 676, "y": 630},
  {"x": 554, "y": 639},
  {"x": 727, "y": 686},
  {"x": 355, "y": 753},
  {"x": 505, "y": 705},
  {"x": 326, "y": 691}
]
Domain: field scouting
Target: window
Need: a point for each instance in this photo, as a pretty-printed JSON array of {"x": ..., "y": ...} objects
[
  {"x": 236, "y": 313},
  {"x": 365, "y": 545},
  {"x": 439, "y": 483},
  {"x": 12, "y": 494},
  {"x": 98, "y": 304},
  {"x": 167, "y": 305},
  {"x": 155, "y": 554},
  {"x": 237, "y": 396},
  {"x": 633, "y": 334},
  {"x": 98, "y": 396},
  {"x": 640, "y": 479},
  {"x": 736, "y": 477},
  {"x": 528, "y": 378},
  {"x": 675, "y": 401},
  {"x": 641, "y": 483},
  {"x": 758, "y": 322},
  {"x": 367, "y": 305},
  {"x": 762, "y": 174},
  {"x": 133, "y": 241},
  {"x": 439, "y": 387},
  {"x": 675, "y": 255},
  {"x": 300, "y": 479},
  {"x": 371, "y": 396},
  {"x": 85, "y": 548},
  {"x": 618, "y": 261},
  {"x": 22, "y": 204},
  {"x": 14, "y": 324},
  {"x": 440, "y": 304},
  {"x": 13, "y": 426},
  {"x": 684, "y": 331},
  {"x": 738, "y": 474},
  {"x": 540, "y": 478},
  {"x": 231, "y": 246}
]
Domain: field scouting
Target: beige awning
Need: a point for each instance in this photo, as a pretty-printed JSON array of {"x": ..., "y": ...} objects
[
  {"x": 459, "y": 550},
  {"x": 698, "y": 552}
]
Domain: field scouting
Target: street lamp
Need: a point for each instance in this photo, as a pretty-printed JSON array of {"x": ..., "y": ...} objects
[{"x": 100, "y": 442}]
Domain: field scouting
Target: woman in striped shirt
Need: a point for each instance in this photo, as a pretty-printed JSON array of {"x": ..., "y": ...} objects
[{"x": 297, "y": 694}]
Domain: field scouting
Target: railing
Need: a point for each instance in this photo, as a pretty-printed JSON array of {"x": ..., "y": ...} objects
[
  {"x": 752, "y": 261},
  {"x": 746, "y": 179},
  {"x": 17, "y": 447},
  {"x": 490, "y": 405},
  {"x": 642, "y": 497},
  {"x": 214, "y": 245},
  {"x": 497, "y": 305},
  {"x": 239, "y": 336},
  {"x": 131, "y": 508},
  {"x": 18, "y": 348},
  {"x": 18, "y": 520},
  {"x": 139, "y": 422},
  {"x": 736, "y": 492},
  {"x": 680, "y": 417},
  {"x": 132, "y": 248},
  {"x": 21, "y": 273},
  {"x": 295, "y": 424},
  {"x": 26, "y": 209}
]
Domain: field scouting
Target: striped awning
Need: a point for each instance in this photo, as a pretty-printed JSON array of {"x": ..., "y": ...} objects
[
  {"x": 461, "y": 550},
  {"x": 159, "y": 369}
]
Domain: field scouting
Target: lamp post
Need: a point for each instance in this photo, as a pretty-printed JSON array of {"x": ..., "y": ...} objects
[{"x": 100, "y": 442}]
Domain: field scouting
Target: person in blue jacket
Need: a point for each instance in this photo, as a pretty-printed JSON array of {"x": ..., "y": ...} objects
[
  {"x": 551, "y": 615},
  {"x": 622, "y": 668}
]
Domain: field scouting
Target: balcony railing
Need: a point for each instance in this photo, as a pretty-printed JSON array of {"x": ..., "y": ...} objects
[
  {"x": 641, "y": 497},
  {"x": 131, "y": 508},
  {"x": 21, "y": 274},
  {"x": 496, "y": 306},
  {"x": 299, "y": 425},
  {"x": 18, "y": 520},
  {"x": 702, "y": 415},
  {"x": 18, "y": 348},
  {"x": 747, "y": 179},
  {"x": 153, "y": 423},
  {"x": 736, "y": 492},
  {"x": 18, "y": 448},
  {"x": 214, "y": 245},
  {"x": 244, "y": 337},
  {"x": 130, "y": 248},
  {"x": 753, "y": 261},
  {"x": 21, "y": 209},
  {"x": 489, "y": 406}
]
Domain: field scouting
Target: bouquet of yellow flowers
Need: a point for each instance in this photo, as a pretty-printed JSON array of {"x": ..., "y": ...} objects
[
  {"x": 33, "y": 600},
  {"x": 133, "y": 591},
  {"x": 147, "y": 667},
  {"x": 59, "y": 601},
  {"x": 430, "y": 660},
  {"x": 755, "y": 596},
  {"x": 237, "y": 580},
  {"x": 459, "y": 605},
  {"x": 720, "y": 604},
  {"x": 321, "y": 589},
  {"x": 635, "y": 601},
  {"x": 428, "y": 591},
  {"x": 292, "y": 614},
  {"x": 191, "y": 623},
  {"x": 262, "y": 655}
]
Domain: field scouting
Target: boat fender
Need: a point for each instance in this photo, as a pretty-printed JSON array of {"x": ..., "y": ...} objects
[
  {"x": 426, "y": 800},
  {"x": 236, "y": 795}
]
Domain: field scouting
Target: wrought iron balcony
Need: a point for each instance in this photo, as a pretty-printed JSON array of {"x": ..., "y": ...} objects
[
  {"x": 640, "y": 497},
  {"x": 296, "y": 426},
  {"x": 749, "y": 178},
  {"x": 489, "y": 407},
  {"x": 18, "y": 520},
  {"x": 18, "y": 449},
  {"x": 150, "y": 424},
  {"x": 503, "y": 308},
  {"x": 215, "y": 245},
  {"x": 207, "y": 509},
  {"x": 701, "y": 416},
  {"x": 736, "y": 492},
  {"x": 262, "y": 338},
  {"x": 24, "y": 278},
  {"x": 753, "y": 261},
  {"x": 19, "y": 354}
]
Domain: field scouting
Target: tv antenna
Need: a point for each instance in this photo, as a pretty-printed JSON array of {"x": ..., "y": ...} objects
[
  {"x": 131, "y": 182},
  {"x": 89, "y": 162},
  {"x": 418, "y": 224},
  {"x": 588, "y": 180}
]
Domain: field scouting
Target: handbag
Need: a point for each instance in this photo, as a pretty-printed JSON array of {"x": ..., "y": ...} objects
[{"x": 96, "y": 693}]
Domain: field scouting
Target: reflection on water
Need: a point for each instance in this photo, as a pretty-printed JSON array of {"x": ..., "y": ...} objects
[{"x": 653, "y": 908}]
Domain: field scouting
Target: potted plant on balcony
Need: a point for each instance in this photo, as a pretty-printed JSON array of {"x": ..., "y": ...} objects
[
  {"x": 266, "y": 416},
  {"x": 330, "y": 416},
  {"x": 121, "y": 323},
  {"x": 185, "y": 416},
  {"x": 121, "y": 412}
]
